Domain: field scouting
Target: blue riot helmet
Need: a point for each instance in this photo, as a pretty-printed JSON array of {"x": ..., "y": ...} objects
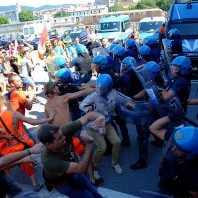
[
  {"x": 101, "y": 61},
  {"x": 186, "y": 139},
  {"x": 59, "y": 62},
  {"x": 184, "y": 63},
  {"x": 128, "y": 64},
  {"x": 153, "y": 68},
  {"x": 112, "y": 46},
  {"x": 151, "y": 41},
  {"x": 118, "y": 51},
  {"x": 111, "y": 62},
  {"x": 144, "y": 50},
  {"x": 80, "y": 49},
  {"x": 173, "y": 33},
  {"x": 65, "y": 75},
  {"x": 104, "y": 84},
  {"x": 130, "y": 43}
]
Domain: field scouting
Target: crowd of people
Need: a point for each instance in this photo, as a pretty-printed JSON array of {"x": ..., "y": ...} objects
[{"x": 71, "y": 165}]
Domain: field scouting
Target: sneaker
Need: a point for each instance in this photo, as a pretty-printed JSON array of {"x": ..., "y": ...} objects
[
  {"x": 96, "y": 174},
  {"x": 38, "y": 186},
  {"x": 140, "y": 164},
  {"x": 118, "y": 169},
  {"x": 98, "y": 182}
]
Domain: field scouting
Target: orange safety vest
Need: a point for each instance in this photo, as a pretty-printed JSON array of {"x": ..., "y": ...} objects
[{"x": 11, "y": 146}]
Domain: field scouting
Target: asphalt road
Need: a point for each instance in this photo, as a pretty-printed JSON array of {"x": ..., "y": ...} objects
[{"x": 131, "y": 180}]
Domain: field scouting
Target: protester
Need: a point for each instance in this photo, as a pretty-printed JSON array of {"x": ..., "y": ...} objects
[{"x": 61, "y": 169}]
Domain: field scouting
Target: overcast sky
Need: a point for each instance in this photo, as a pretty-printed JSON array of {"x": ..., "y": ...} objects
[{"x": 38, "y": 3}]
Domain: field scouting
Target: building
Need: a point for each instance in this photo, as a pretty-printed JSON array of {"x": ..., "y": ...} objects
[
  {"x": 12, "y": 15},
  {"x": 105, "y": 2}
]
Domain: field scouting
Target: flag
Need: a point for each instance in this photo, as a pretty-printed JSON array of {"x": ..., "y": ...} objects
[{"x": 44, "y": 37}]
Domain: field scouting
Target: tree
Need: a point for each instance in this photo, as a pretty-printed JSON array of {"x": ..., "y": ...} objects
[
  {"x": 116, "y": 8},
  {"x": 164, "y": 4},
  {"x": 4, "y": 20},
  {"x": 26, "y": 15},
  {"x": 60, "y": 14},
  {"x": 146, "y": 4}
]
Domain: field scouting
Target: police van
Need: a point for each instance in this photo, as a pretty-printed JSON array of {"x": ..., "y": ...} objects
[
  {"x": 150, "y": 26},
  {"x": 32, "y": 29},
  {"x": 115, "y": 28},
  {"x": 183, "y": 16}
]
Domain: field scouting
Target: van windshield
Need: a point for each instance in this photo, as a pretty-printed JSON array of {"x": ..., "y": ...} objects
[
  {"x": 109, "y": 27},
  {"x": 149, "y": 27},
  {"x": 186, "y": 29}
]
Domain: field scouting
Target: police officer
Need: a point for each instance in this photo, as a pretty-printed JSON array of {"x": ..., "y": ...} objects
[
  {"x": 131, "y": 48},
  {"x": 132, "y": 85},
  {"x": 179, "y": 84},
  {"x": 145, "y": 55},
  {"x": 154, "y": 49},
  {"x": 106, "y": 65},
  {"x": 178, "y": 171},
  {"x": 176, "y": 43},
  {"x": 82, "y": 65}
]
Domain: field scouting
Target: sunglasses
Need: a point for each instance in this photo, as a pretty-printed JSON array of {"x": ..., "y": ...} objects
[{"x": 48, "y": 45}]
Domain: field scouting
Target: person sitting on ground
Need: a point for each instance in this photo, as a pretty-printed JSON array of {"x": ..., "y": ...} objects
[
  {"x": 14, "y": 138},
  {"x": 62, "y": 171}
]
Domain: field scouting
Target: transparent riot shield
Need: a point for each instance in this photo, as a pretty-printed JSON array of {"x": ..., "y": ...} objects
[
  {"x": 154, "y": 93},
  {"x": 135, "y": 112},
  {"x": 98, "y": 51}
]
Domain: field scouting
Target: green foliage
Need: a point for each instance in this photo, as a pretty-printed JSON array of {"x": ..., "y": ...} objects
[
  {"x": 60, "y": 14},
  {"x": 4, "y": 20},
  {"x": 143, "y": 4},
  {"x": 164, "y": 4},
  {"x": 116, "y": 8},
  {"x": 26, "y": 15}
]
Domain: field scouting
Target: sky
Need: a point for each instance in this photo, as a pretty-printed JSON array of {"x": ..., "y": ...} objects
[{"x": 38, "y": 3}]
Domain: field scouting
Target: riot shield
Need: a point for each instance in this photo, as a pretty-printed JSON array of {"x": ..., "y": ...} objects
[
  {"x": 98, "y": 51},
  {"x": 135, "y": 112},
  {"x": 150, "y": 194},
  {"x": 154, "y": 93}
]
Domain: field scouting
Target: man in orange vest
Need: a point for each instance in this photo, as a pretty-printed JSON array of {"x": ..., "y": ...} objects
[
  {"x": 18, "y": 99},
  {"x": 162, "y": 30},
  {"x": 8, "y": 185},
  {"x": 13, "y": 137}
]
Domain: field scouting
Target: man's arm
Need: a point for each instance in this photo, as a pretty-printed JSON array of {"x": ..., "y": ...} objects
[
  {"x": 9, "y": 159},
  {"x": 167, "y": 94},
  {"x": 71, "y": 96},
  {"x": 82, "y": 166},
  {"x": 28, "y": 103},
  {"x": 18, "y": 117}
]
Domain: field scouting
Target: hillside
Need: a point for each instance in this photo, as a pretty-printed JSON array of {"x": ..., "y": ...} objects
[{"x": 13, "y": 7}]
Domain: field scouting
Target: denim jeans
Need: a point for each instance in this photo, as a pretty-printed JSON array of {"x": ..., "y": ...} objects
[
  {"x": 9, "y": 186},
  {"x": 80, "y": 187}
]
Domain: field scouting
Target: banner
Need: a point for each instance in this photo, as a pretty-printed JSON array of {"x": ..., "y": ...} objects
[{"x": 44, "y": 37}]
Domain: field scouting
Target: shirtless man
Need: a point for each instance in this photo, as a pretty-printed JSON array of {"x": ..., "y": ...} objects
[
  {"x": 62, "y": 117},
  {"x": 61, "y": 103}
]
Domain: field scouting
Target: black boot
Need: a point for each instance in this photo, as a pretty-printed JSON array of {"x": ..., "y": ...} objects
[{"x": 141, "y": 163}]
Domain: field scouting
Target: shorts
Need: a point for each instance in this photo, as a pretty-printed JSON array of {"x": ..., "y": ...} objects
[{"x": 28, "y": 81}]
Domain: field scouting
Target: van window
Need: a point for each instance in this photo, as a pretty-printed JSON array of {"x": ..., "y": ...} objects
[
  {"x": 126, "y": 24},
  {"x": 151, "y": 26},
  {"x": 109, "y": 27},
  {"x": 185, "y": 29},
  {"x": 31, "y": 30},
  {"x": 26, "y": 32}
]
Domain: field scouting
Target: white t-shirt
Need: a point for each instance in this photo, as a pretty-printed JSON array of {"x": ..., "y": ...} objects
[{"x": 24, "y": 69}]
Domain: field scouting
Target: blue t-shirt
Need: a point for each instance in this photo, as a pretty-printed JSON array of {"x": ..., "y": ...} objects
[{"x": 1, "y": 69}]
